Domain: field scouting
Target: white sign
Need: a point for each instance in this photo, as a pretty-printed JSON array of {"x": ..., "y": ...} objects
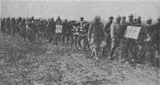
[
  {"x": 58, "y": 28},
  {"x": 132, "y": 32}
]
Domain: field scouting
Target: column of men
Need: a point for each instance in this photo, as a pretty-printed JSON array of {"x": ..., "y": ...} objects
[{"x": 141, "y": 50}]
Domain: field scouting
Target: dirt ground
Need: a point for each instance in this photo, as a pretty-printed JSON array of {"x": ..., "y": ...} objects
[{"x": 23, "y": 63}]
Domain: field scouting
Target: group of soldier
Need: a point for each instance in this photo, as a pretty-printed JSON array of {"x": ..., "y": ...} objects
[
  {"x": 104, "y": 41},
  {"x": 144, "y": 50}
]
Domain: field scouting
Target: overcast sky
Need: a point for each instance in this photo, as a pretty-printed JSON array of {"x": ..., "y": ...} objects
[{"x": 76, "y": 9}]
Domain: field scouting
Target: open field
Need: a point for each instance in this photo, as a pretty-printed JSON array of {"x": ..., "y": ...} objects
[{"x": 43, "y": 64}]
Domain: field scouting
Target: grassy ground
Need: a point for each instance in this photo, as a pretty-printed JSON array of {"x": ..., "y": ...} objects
[{"x": 43, "y": 64}]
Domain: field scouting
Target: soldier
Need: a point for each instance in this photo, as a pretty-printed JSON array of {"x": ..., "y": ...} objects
[
  {"x": 130, "y": 43},
  {"x": 58, "y": 21},
  {"x": 156, "y": 41},
  {"x": 143, "y": 40},
  {"x": 41, "y": 27},
  {"x": 3, "y": 29},
  {"x": 123, "y": 51},
  {"x": 51, "y": 26},
  {"x": 82, "y": 32},
  {"x": 13, "y": 26},
  {"x": 7, "y": 26},
  {"x": 95, "y": 36},
  {"x": 147, "y": 50},
  {"x": 107, "y": 35},
  {"x": 115, "y": 32},
  {"x": 22, "y": 29},
  {"x": 65, "y": 31},
  {"x": 58, "y": 35},
  {"x": 75, "y": 34},
  {"x": 32, "y": 30},
  {"x": 139, "y": 46}
]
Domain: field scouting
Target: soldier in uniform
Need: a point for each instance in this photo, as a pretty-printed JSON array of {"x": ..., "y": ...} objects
[
  {"x": 107, "y": 35},
  {"x": 13, "y": 26},
  {"x": 58, "y": 35},
  {"x": 130, "y": 43},
  {"x": 123, "y": 50},
  {"x": 139, "y": 42},
  {"x": 3, "y": 30},
  {"x": 65, "y": 31},
  {"x": 147, "y": 50},
  {"x": 156, "y": 42},
  {"x": 21, "y": 26},
  {"x": 75, "y": 34},
  {"x": 82, "y": 32},
  {"x": 95, "y": 36},
  {"x": 51, "y": 26},
  {"x": 115, "y": 38},
  {"x": 7, "y": 26},
  {"x": 143, "y": 41}
]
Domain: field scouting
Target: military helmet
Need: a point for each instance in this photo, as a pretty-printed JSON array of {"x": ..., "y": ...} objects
[
  {"x": 149, "y": 19},
  {"x": 111, "y": 17},
  {"x": 131, "y": 15},
  {"x": 97, "y": 18},
  {"x": 118, "y": 17},
  {"x": 81, "y": 17}
]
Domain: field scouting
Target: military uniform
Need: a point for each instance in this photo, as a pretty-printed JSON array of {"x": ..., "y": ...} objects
[
  {"x": 7, "y": 26},
  {"x": 51, "y": 26},
  {"x": 3, "y": 26},
  {"x": 130, "y": 45},
  {"x": 96, "y": 35},
  {"x": 83, "y": 29},
  {"x": 65, "y": 31},
  {"x": 155, "y": 44},
  {"x": 115, "y": 38},
  {"x": 107, "y": 37},
  {"x": 150, "y": 50},
  {"x": 13, "y": 26},
  {"x": 123, "y": 51}
]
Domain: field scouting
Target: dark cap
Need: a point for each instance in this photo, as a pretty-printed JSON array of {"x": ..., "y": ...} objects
[
  {"x": 111, "y": 17},
  {"x": 131, "y": 15},
  {"x": 81, "y": 18},
  {"x": 123, "y": 17}
]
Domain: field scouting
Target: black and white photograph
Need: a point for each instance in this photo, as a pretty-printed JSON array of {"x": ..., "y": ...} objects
[{"x": 80, "y": 42}]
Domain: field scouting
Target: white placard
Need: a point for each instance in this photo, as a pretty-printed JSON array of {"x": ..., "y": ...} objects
[
  {"x": 58, "y": 28},
  {"x": 132, "y": 32}
]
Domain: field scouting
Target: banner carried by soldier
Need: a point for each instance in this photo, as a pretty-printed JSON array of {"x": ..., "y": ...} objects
[
  {"x": 58, "y": 28},
  {"x": 132, "y": 32}
]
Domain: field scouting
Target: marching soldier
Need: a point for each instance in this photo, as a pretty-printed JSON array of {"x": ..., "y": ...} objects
[
  {"x": 156, "y": 42},
  {"x": 148, "y": 50},
  {"x": 3, "y": 29},
  {"x": 7, "y": 26},
  {"x": 107, "y": 35},
  {"x": 138, "y": 44},
  {"x": 75, "y": 34},
  {"x": 115, "y": 38},
  {"x": 123, "y": 50},
  {"x": 143, "y": 41},
  {"x": 13, "y": 26},
  {"x": 82, "y": 32},
  {"x": 95, "y": 36},
  {"x": 51, "y": 26},
  {"x": 131, "y": 43},
  {"x": 65, "y": 31},
  {"x": 57, "y": 35}
]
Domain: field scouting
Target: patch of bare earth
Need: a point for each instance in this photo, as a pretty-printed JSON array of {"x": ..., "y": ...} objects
[{"x": 43, "y": 64}]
